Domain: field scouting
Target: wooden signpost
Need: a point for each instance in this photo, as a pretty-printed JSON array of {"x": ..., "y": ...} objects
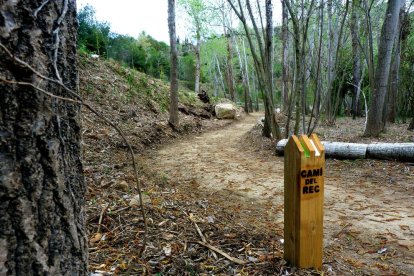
[{"x": 304, "y": 192}]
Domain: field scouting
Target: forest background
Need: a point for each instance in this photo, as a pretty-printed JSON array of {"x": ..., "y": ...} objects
[{"x": 325, "y": 60}]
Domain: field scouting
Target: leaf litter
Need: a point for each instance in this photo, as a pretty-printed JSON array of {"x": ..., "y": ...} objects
[{"x": 213, "y": 215}]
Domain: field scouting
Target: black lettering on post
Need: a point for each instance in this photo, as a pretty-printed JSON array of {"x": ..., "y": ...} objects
[
  {"x": 305, "y": 190},
  {"x": 317, "y": 189},
  {"x": 307, "y": 181},
  {"x": 315, "y": 172},
  {"x": 311, "y": 189},
  {"x": 303, "y": 173}
]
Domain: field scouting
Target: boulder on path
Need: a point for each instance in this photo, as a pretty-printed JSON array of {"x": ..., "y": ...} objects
[{"x": 225, "y": 111}]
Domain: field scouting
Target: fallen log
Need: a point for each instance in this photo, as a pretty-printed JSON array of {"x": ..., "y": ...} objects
[
  {"x": 391, "y": 151},
  {"x": 340, "y": 150}
]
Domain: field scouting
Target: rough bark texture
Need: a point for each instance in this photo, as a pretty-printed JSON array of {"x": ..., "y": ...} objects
[
  {"x": 42, "y": 224},
  {"x": 389, "y": 30},
  {"x": 173, "y": 120}
]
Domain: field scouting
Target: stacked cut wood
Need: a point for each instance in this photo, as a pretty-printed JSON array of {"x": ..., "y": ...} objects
[{"x": 340, "y": 150}]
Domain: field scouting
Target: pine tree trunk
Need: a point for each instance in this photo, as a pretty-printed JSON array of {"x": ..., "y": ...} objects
[
  {"x": 173, "y": 120},
  {"x": 375, "y": 123},
  {"x": 42, "y": 189}
]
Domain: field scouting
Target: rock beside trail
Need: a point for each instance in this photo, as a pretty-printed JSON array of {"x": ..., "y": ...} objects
[
  {"x": 225, "y": 111},
  {"x": 135, "y": 200}
]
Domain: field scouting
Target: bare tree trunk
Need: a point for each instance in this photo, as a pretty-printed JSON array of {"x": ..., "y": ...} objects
[
  {"x": 317, "y": 99},
  {"x": 375, "y": 123},
  {"x": 229, "y": 70},
  {"x": 390, "y": 105},
  {"x": 390, "y": 108},
  {"x": 262, "y": 61},
  {"x": 330, "y": 65},
  {"x": 221, "y": 76},
  {"x": 198, "y": 63},
  {"x": 42, "y": 188},
  {"x": 246, "y": 90},
  {"x": 173, "y": 120},
  {"x": 411, "y": 126},
  {"x": 274, "y": 127},
  {"x": 285, "y": 56},
  {"x": 300, "y": 32},
  {"x": 246, "y": 75},
  {"x": 356, "y": 72}
]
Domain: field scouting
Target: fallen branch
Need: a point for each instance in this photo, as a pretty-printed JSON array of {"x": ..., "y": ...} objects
[
  {"x": 224, "y": 254},
  {"x": 200, "y": 234},
  {"x": 101, "y": 217}
]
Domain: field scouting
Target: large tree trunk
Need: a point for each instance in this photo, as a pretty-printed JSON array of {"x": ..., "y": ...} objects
[
  {"x": 375, "y": 123},
  {"x": 390, "y": 106},
  {"x": 42, "y": 221},
  {"x": 173, "y": 120}
]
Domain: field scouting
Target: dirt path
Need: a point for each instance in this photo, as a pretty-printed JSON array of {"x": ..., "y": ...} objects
[{"x": 368, "y": 206}]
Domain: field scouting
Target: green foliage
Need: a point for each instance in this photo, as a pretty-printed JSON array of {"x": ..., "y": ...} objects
[
  {"x": 186, "y": 65},
  {"x": 93, "y": 36},
  {"x": 144, "y": 54}
]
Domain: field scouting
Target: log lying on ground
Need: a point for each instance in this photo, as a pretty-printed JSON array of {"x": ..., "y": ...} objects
[{"x": 390, "y": 151}]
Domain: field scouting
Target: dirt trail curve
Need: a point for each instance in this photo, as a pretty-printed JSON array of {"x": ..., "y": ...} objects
[{"x": 364, "y": 211}]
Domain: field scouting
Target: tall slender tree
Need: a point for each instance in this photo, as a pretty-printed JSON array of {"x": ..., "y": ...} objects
[
  {"x": 356, "y": 59},
  {"x": 173, "y": 120},
  {"x": 375, "y": 122},
  {"x": 196, "y": 11},
  {"x": 262, "y": 58},
  {"x": 42, "y": 188},
  {"x": 285, "y": 56}
]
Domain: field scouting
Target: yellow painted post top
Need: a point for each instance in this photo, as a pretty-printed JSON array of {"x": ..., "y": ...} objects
[{"x": 303, "y": 201}]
